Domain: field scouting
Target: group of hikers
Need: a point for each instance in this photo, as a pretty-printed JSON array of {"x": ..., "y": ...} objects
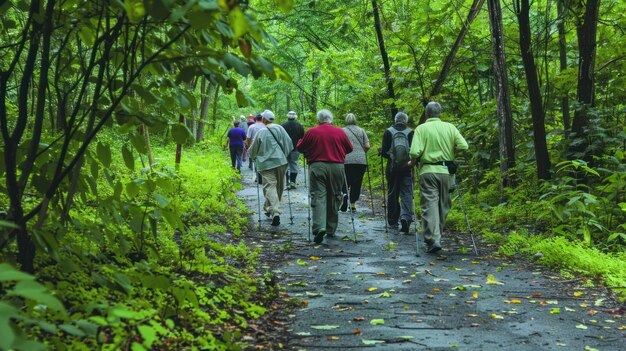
[{"x": 337, "y": 162}]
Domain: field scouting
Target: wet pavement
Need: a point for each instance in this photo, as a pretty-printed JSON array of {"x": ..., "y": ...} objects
[{"x": 377, "y": 293}]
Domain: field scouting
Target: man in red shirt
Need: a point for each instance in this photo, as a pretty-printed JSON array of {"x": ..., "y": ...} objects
[{"x": 325, "y": 148}]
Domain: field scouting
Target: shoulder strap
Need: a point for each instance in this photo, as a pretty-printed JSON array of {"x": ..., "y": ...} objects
[
  {"x": 357, "y": 138},
  {"x": 274, "y": 136}
]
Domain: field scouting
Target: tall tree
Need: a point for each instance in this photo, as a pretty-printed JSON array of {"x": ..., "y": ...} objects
[
  {"x": 561, "y": 13},
  {"x": 447, "y": 64},
  {"x": 522, "y": 9},
  {"x": 383, "y": 53},
  {"x": 503, "y": 100},
  {"x": 586, "y": 30}
]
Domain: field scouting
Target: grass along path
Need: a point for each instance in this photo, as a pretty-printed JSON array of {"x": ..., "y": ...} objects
[{"x": 377, "y": 293}]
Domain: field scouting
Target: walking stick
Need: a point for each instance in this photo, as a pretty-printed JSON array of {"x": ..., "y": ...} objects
[
  {"x": 469, "y": 228},
  {"x": 369, "y": 180},
  {"x": 417, "y": 233},
  {"x": 308, "y": 195},
  {"x": 345, "y": 179},
  {"x": 382, "y": 174},
  {"x": 258, "y": 201},
  {"x": 289, "y": 201}
]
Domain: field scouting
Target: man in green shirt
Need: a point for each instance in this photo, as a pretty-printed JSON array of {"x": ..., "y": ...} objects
[
  {"x": 433, "y": 146},
  {"x": 270, "y": 149}
]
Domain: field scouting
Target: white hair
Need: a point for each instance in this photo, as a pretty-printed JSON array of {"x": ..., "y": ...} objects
[
  {"x": 401, "y": 118},
  {"x": 324, "y": 116},
  {"x": 433, "y": 109}
]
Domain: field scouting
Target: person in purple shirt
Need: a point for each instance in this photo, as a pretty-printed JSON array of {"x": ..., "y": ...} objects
[{"x": 236, "y": 140}]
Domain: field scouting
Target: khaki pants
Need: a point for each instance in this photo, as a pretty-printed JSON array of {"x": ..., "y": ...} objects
[
  {"x": 435, "y": 202},
  {"x": 273, "y": 185},
  {"x": 327, "y": 179}
]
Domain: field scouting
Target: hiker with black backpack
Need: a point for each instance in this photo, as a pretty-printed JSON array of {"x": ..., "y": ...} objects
[
  {"x": 433, "y": 146},
  {"x": 395, "y": 148}
]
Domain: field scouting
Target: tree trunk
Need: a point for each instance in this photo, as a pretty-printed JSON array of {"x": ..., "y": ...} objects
[
  {"x": 214, "y": 117},
  {"x": 314, "y": 92},
  {"x": 563, "y": 62},
  {"x": 522, "y": 9},
  {"x": 586, "y": 33},
  {"x": 503, "y": 101},
  {"x": 443, "y": 74},
  {"x": 205, "y": 89},
  {"x": 383, "y": 53}
]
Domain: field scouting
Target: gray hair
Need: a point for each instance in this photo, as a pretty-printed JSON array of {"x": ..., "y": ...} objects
[
  {"x": 350, "y": 119},
  {"x": 433, "y": 109},
  {"x": 324, "y": 116},
  {"x": 401, "y": 118}
]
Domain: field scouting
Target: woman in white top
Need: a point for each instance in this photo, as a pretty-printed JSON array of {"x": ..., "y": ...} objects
[{"x": 356, "y": 162}]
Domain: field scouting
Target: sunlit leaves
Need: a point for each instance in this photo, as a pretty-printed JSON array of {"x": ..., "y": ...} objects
[
  {"x": 181, "y": 133},
  {"x": 134, "y": 10}
]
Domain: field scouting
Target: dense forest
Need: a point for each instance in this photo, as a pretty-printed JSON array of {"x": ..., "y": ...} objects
[{"x": 120, "y": 223}]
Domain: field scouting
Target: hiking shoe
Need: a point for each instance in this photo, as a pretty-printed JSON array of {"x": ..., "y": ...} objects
[
  {"x": 319, "y": 237},
  {"x": 267, "y": 214},
  {"x": 292, "y": 186},
  {"x": 276, "y": 220},
  {"x": 433, "y": 248},
  {"x": 353, "y": 208},
  {"x": 344, "y": 203},
  {"x": 404, "y": 226}
]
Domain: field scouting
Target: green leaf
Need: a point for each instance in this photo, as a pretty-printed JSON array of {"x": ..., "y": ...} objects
[
  {"x": 7, "y": 335},
  {"x": 242, "y": 100},
  {"x": 104, "y": 154},
  {"x": 181, "y": 133},
  {"x": 377, "y": 321},
  {"x": 135, "y": 10},
  {"x": 8, "y": 272},
  {"x": 285, "y": 5},
  {"x": 235, "y": 62},
  {"x": 72, "y": 330},
  {"x": 129, "y": 160},
  {"x": 161, "y": 200},
  {"x": 238, "y": 22},
  {"x": 37, "y": 292},
  {"x": 138, "y": 142},
  {"x": 148, "y": 334},
  {"x": 7, "y": 224}
]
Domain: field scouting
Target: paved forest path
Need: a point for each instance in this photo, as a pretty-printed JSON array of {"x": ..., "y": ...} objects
[{"x": 377, "y": 294}]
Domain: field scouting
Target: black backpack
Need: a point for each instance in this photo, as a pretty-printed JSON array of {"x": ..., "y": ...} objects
[{"x": 400, "y": 148}]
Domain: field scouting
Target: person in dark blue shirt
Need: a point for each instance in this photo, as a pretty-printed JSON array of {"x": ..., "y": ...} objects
[{"x": 236, "y": 140}]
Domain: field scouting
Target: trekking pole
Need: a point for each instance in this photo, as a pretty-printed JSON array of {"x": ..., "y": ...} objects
[
  {"x": 258, "y": 201},
  {"x": 417, "y": 233},
  {"x": 345, "y": 179},
  {"x": 369, "y": 180},
  {"x": 289, "y": 201},
  {"x": 469, "y": 228},
  {"x": 382, "y": 177},
  {"x": 308, "y": 195}
]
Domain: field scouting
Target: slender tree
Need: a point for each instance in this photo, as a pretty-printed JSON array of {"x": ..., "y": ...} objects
[
  {"x": 503, "y": 100},
  {"x": 563, "y": 61},
  {"x": 522, "y": 9},
  {"x": 383, "y": 53}
]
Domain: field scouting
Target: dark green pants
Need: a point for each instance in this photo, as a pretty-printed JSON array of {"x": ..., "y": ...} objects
[{"x": 325, "y": 189}]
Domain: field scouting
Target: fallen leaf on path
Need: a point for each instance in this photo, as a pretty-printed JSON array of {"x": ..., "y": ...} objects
[
  {"x": 592, "y": 312},
  {"x": 372, "y": 342},
  {"x": 324, "y": 327},
  {"x": 430, "y": 297},
  {"x": 621, "y": 327},
  {"x": 427, "y": 271},
  {"x": 305, "y": 303},
  {"x": 561, "y": 344},
  {"x": 598, "y": 302},
  {"x": 475, "y": 294},
  {"x": 615, "y": 311},
  {"x": 381, "y": 273},
  {"x": 377, "y": 321},
  {"x": 514, "y": 301},
  {"x": 297, "y": 284},
  {"x": 384, "y": 295},
  {"x": 471, "y": 315},
  {"x": 569, "y": 309},
  {"x": 371, "y": 289},
  {"x": 407, "y": 281},
  {"x": 555, "y": 311},
  {"x": 552, "y": 302},
  {"x": 581, "y": 326},
  {"x": 332, "y": 338},
  {"x": 303, "y": 333},
  {"x": 469, "y": 302},
  {"x": 359, "y": 263},
  {"x": 436, "y": 289},
  {"x": 491, "y": 280},
  {"x": 474, "y": 325},
  {"x": 475, "y": 262},
  {"x": 358, "y": 319},
  {"x": 432, "y": 263},
  {"x": 496, "y": 316},
  {"x": 578, "y": 293},
  {"x": 314, "y": 294},
  {"x": 537, "y": 295},
  {"x": 453, "y": 268},
  {"x": 314, "y": 258},
  {"x": 301, "y": 262},
  {"x": 460, "y": 288},
  {"x": 589, "y": 348},
  {"x": 584, "y": 305},
  {"x": 356, "y": 331}
]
